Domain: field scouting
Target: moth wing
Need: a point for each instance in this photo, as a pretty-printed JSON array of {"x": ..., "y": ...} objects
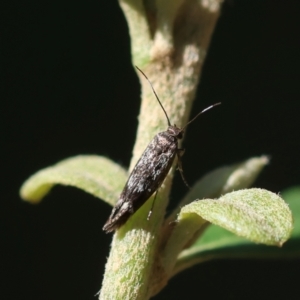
[{"x": 146, "y": 177}]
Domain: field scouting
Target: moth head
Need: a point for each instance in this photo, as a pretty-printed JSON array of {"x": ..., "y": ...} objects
[{"x": 173, "y": 130}]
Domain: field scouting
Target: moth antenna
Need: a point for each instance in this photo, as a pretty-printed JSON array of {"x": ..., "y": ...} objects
[
  {"x": 169, "y": 123},
  {"x": 201, "y": 112}
]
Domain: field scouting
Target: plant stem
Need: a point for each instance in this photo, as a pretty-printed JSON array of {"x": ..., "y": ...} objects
[{"x": 169, "y": 43}]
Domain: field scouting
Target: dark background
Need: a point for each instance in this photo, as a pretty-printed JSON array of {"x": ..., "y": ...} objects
[{"x": 68, "y": 88}]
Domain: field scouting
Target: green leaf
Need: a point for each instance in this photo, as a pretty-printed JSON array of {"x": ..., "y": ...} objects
[
  {"x": 95, "y": 175},
  {"x": 292, "y": 197},
  {"x": 224, "y": 180},
  {"x": 256, "y": 214},
  {"x": 213, "y": 185},
  {"x": 267, "y": 219},
  {"x": 227, "y": 179},
  {"x": 218, "y": 243}
]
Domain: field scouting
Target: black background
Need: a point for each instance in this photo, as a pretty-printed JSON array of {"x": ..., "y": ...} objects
[{"x": 68, "y": 88}]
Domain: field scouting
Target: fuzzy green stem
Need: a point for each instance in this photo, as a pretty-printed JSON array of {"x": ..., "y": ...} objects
[{"x": 133, "y": 270}]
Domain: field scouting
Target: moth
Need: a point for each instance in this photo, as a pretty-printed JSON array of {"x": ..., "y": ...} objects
[{"x": 150, "y": 171}]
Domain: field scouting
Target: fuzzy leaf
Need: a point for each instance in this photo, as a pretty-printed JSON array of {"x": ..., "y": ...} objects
[
  {"x": 227, "y": 179},
  {"x": 95, "y": 175},
  {"x": 217, "y": 243},
  {"x": 223, "y": 180},
  {"x": 255, "y": 214}
]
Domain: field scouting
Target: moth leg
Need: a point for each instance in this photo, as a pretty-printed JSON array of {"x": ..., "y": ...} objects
[
  {"x": 152, "y": 206},
  {"x": 180, "y": 153}
]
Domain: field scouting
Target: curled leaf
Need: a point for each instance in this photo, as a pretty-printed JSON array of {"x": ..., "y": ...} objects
[
  {"x": 95, "y": 175},
  {"x": 256, "y": 214},
  {"x": 224, "y": 180}
]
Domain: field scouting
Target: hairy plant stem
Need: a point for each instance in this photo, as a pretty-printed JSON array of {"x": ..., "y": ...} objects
[{"x": 169, "y": 41}]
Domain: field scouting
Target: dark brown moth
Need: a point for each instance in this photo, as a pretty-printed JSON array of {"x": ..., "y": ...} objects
[{"x": 149, "y": 172}]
